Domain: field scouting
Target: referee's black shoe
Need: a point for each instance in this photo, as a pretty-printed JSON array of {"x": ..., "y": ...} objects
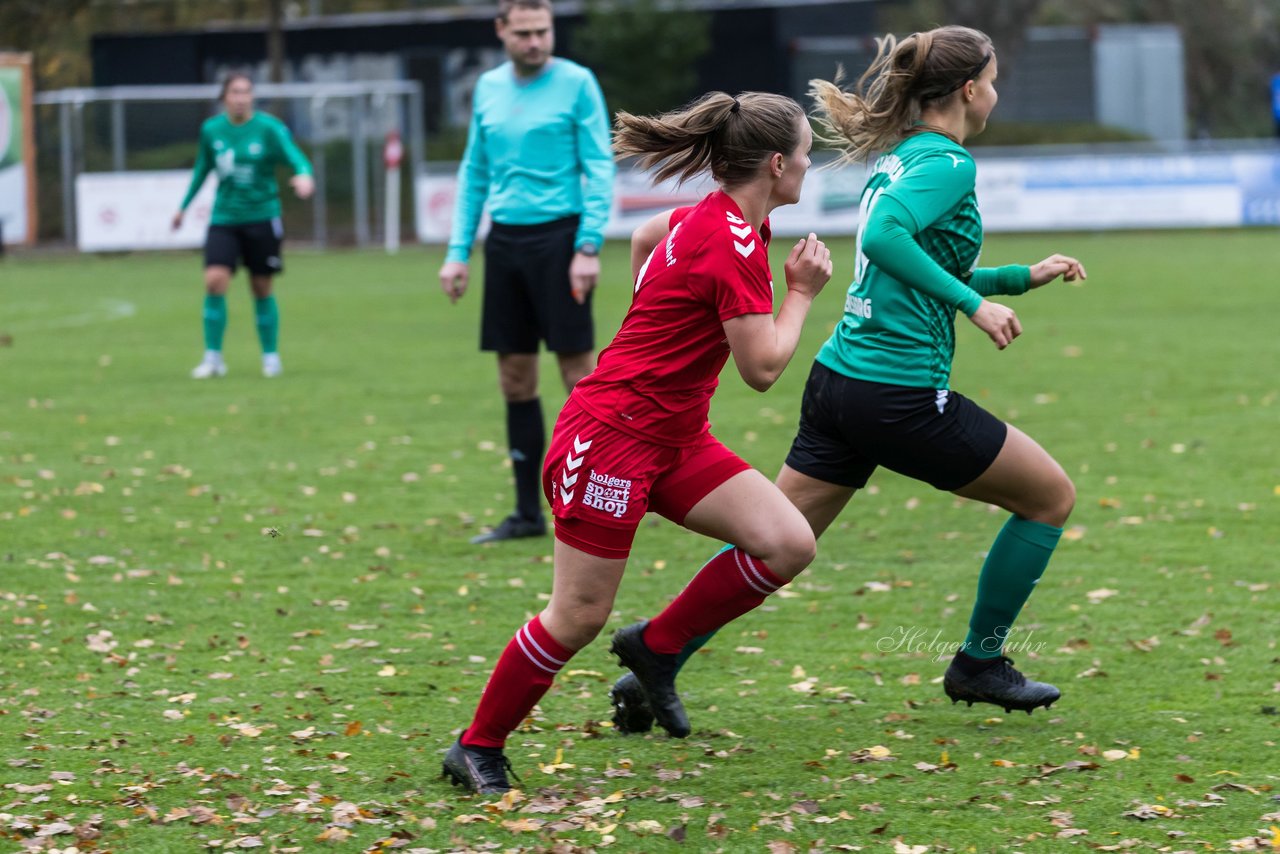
[
  {"x": 655, "y": 673},
  {"x": 631, "y": 713},
  {"x": 513, "y": 527},
  {"x": 483, "y": 770},
  {"x": 995, "y": 681}
]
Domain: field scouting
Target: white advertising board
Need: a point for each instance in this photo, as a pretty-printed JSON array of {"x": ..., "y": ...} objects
[
  {"x": 132, "y": 210},
  {"x": 1083, "y": 193},
  {"x": 117, "y": 211}
]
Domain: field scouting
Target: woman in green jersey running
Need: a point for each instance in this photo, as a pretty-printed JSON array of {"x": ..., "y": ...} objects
[
  {"x": 878, "y": 392},
  {"x": 244, "y": 147}
]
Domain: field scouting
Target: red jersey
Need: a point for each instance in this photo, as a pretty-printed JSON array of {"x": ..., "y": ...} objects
[{"x": 655, "y": 380}]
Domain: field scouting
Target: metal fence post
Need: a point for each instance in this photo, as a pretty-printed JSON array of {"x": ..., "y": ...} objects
[
  {"x": 68, "y": 179},
  {"x": 377, "y": 119},
  {"x": 117, "y": 136},
  {"x": 360, "y": 169},
  {"x": 319, "y": 221},
  {"x": 417, "y": 147}
]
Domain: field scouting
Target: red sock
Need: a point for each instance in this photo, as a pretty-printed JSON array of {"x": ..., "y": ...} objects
[
  {"x": 524, "y": 673},
  {"x": 731, "y": 584}
]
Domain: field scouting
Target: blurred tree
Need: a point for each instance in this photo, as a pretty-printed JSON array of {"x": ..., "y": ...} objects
[
  {"x": 53, "y": 30},
  {"x": 643, "y": 51}
]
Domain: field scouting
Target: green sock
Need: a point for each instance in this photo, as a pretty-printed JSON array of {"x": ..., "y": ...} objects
[
  {"x": 701, "y": 640},
  {"x": 1015, "y": 563},
  {"x": 687, "y": 651},
  {"x": 215, "y": 321},
  {"x": 268, "y": 318}
]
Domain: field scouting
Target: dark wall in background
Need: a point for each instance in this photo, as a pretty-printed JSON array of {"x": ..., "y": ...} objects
[{"x": 753, "y": 47}]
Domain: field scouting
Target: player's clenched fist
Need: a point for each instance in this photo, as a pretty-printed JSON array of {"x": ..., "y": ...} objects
[
  {"x": 808, "y": 266},
  {"x": 999, "y": 322}
]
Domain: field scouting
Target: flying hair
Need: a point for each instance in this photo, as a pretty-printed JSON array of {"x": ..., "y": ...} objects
[
  {"x": 884, "y": 105},
  {"x": 728, "y": 136}
]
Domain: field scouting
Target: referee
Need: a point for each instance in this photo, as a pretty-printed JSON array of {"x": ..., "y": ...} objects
[{"x": 539, "y": 127}]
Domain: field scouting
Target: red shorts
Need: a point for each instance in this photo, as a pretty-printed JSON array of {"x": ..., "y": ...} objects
[{"x": 601, "y": 481}]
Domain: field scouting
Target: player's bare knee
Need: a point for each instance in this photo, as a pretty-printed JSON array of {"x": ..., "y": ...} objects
[
  {"x": 793, "y": 549},
  {"x": 576, "y": 625},
  {"x": 1051, "y": 505},
  {"x": 1066, "y": 501},
  {"x": 589, "y": 621}
]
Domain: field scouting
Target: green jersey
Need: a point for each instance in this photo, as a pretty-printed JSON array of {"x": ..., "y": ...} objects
[
  {"x": 917, "y": 253},
  {"x": 245, "y": 157}
]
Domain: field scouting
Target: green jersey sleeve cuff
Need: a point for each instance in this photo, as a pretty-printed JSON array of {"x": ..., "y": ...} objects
[
  {"x": 459, "y": 254},
  {"x": 969, "y": 303},
  {"x": 1010, "y": 280}
]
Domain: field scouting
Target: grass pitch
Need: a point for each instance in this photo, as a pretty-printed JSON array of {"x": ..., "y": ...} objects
[{"x": 243, "y": 613}]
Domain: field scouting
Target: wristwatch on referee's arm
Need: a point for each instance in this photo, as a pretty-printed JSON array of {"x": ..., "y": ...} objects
[{"x": 588, "y": 249}]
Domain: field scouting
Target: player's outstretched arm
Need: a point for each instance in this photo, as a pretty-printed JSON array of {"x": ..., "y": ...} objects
[{"x": 204, "y": 165}]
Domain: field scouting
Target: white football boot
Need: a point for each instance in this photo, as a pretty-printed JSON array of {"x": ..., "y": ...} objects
[
  {"x": 271, "y": 366},
  {"x": 210, "y": 366}
]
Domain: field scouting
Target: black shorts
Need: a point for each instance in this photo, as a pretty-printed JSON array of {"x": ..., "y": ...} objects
[
  {"x": 526, "y": 290},
  {"x": 848, "y": 427},
  {"x": 258, "y": 243}
]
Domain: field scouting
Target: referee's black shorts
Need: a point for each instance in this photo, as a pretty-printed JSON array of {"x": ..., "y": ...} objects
[
  {"x": 527, "y": 298},
  {"x": 258, "y": 243},
  {"x": 849, "y": 427}
]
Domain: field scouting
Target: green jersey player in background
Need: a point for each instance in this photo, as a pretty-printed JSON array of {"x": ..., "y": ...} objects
[
  {"x": 878, "y": 392},
  {"x": 244, "y": 147}
]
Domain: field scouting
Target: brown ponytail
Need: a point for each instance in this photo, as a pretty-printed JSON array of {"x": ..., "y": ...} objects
[
  {"x": 905, "y": 76},
  {"x": 727, "y": 136}
]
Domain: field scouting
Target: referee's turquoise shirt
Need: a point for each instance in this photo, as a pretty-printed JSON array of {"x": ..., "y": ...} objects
[{"x": 530, "y": 146}]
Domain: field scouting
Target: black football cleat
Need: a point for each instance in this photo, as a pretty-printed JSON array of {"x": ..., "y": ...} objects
[
  {"x": 999, "y": 684},
  {"x": 655, "y": 673},
  {"x": 514, "y": 527},
  {"x": 482, "y": 770},
  {"x": 631, "y": 712}
]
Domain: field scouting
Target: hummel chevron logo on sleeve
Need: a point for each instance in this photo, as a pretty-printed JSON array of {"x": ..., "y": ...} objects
[
  {"x": 740, "y": 229},
  {"x": 955, "y": 161}
]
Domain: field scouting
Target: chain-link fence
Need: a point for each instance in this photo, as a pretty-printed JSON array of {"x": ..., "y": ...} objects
[{"x": 341, "y": 127}]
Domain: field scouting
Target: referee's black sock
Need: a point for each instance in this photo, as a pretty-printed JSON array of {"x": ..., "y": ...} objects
[{"x": 526, "y": 438}]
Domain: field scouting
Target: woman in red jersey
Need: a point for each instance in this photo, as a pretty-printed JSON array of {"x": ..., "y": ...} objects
[{"x": 633, "y": 436}]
